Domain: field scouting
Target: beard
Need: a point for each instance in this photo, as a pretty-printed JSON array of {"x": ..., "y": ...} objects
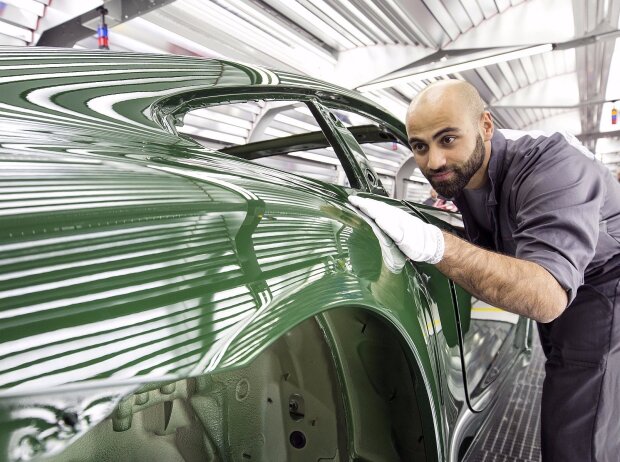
[{"x": 463, "y": 173}]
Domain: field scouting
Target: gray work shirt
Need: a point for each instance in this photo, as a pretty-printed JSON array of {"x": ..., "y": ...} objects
[{"x": 550, "y": 202}]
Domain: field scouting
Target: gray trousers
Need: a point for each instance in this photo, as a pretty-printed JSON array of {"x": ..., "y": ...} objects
[{"x": 581, "y": 392}]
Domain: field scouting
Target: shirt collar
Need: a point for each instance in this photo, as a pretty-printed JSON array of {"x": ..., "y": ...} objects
[{"x": 496, "y": 164}]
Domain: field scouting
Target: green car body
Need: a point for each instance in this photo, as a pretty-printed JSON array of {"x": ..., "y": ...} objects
[{"x": 164, "y": 301}]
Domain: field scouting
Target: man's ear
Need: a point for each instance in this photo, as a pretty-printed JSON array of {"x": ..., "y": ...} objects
[{"x": 487, "y": 126}]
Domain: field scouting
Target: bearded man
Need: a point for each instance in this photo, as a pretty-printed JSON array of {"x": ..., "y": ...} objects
[{"x": 542, "y": 218}]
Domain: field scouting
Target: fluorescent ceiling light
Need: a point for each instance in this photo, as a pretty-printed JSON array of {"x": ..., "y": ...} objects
[{"x": 473, "y": 64}]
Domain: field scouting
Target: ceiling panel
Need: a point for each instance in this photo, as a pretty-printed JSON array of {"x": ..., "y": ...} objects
[
  {"x": 509, "y": 75},
  {"x": 488, "y": 7},
  {"x": 392, "y": 18},
  {"x": 427, "y": 28},
  {"x": 458, "y": 13},
  {"x": 473, "y": 10},
  {"x": 500, "y": 79},
  {"x": 502, "y": 5},
  {"x": 439, "y": 11},
  {"x": 490, "y": 83}
]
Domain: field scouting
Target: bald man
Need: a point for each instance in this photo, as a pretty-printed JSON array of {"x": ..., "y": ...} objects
[{"x": 542, "y": 218}]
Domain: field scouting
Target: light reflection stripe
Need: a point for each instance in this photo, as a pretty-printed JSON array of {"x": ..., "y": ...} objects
[
  {"x": 223, "y": 300},
  {"x": 121, "y": 257},
  {"x": 104, "y": 366},
  {"x": 47, "y": 77},
  {"x": 123, "y": 272},
  {"x": 69, "y": 64},
  {"x": 87, "y": 201},
  {"x": 156, "y": 340},
  {"x": 88, "y": 205},
  {"x": 95, "y": 296},
  {"x": 91, "y": 235}
]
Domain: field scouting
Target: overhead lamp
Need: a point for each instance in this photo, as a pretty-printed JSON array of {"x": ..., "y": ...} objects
[{"x": 451, "y": 69}]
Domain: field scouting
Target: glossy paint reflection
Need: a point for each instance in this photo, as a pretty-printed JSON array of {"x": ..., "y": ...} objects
[
  {"x": 114, "y": 271},
  {"x": 130, "y": 255}
]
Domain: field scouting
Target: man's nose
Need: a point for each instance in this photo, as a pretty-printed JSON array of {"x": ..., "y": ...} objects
[{"x": 436, "y": 159}]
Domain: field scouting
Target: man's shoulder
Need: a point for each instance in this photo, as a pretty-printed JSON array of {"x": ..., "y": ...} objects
[
  {"x": 524, "y": 142},
  {"x": 535, "y": 162}
]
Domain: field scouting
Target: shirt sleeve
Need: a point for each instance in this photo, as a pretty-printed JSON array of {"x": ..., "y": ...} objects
[{"x": 557, "y": 213}]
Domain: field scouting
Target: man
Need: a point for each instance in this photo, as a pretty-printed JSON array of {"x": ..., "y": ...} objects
[
  {"x": 439, "y": 202},
  {"x": 432, "y": 198},
  {"x": 543, "y": 219}
]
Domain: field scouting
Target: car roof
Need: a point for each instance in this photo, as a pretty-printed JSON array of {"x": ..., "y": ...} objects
[{"x": 160, "y": 85}]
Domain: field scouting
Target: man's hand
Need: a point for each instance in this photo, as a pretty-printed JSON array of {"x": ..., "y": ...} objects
[
  {"x": 516, "y": 285},
  {"x": 416, "y": 239}
]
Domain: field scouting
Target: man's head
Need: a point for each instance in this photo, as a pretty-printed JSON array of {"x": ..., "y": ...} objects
[{"x": 450, "y": 136}]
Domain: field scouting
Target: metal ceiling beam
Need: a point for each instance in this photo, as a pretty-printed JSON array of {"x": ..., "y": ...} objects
[
  {"x": 587, "y": 40},
  {"x": 70, "y": 32},
  {"x": 592, "y": 136},
  {"x": 444, "y": 58},
  {"x": 595, "y": 102}
]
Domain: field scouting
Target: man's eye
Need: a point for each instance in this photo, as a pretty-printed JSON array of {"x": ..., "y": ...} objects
[
  {"x": 418, "y": 147},
  {"x": 448, "y": 139}
]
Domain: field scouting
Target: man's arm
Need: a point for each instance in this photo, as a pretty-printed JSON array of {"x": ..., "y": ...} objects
[{"x": 515, "y": 285}]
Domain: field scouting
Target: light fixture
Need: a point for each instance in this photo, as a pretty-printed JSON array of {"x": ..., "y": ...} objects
[{"x": 451, "y": 69}]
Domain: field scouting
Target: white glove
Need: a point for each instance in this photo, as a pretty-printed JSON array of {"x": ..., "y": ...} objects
[{"x": 416, "y": 239}]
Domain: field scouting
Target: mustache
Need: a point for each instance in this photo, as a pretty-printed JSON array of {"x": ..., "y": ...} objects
[{"x": 440, "y": 170}]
